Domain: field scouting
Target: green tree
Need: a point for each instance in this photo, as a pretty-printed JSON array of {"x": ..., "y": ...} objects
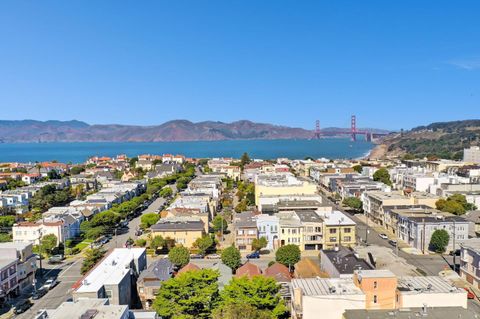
[
  {"x": 357, "y": 168},
  {"x": 157, "y": 242},
  {"x": 48, "y": 243},
  {"x": 288, "y": 255},
  {"x": 141, "y": 242},
  {"x": 439, "y": 240},
  {"x": 260, "y": 292},
  {"x": 259, "y": 243},
  {"x": 53, "y": 174},
  {"x": 450, "y": 205},
  {"x": 382, "y": 175},
  {"x": 232, "y": 258},
  {"x": 149, "y": 219},
  {"x": 107, "y": 219},
  {"x": 75, "y": 170},
  {"x": 5, "y": 238},
  {"x": 166, "y": 192},
  {"x": 353, "y": 202},
  {"x": 7, "y": 221},
  {"x": 179, "y": 256},
  {"x": 245, "y": 159},
  {"x": 92, "y": 256},
  {"x": 242, "y": 206},
  {"x": 240, "y": 310},
  {"x": 203, "y": 244},
  {"x": 190, "y": 295},
  {"x": 219, "y": 223}
]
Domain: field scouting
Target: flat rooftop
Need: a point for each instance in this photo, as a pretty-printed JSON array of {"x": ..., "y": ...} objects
[
  {"x": 345, "y": 261},
  {"x": 326, "y": 286},
  {"x": 308, "y": 216},
  {"x": 111, "y": 270},
  {"x": 375, "y": 273},
  {"x": 428, "y": 284},
  {"x": 99, "y": 307},
  {"x": 473, "y": 244},
  {"x": 409, "y": 313},
  {"x": 335, "y": 217}
]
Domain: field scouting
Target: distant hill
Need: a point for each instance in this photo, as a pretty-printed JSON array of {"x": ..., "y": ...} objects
[
  {"x": 177, "y": 130},
  {"x": 441, "y": 139}
]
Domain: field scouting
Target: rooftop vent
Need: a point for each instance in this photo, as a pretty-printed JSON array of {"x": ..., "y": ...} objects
[{"x": 89, "y": 314}]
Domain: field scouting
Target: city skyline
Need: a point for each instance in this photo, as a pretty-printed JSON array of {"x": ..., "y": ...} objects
[{"x": 392, "y": 66}]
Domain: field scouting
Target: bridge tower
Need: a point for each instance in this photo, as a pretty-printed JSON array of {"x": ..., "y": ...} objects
[
  {"x": 317, "y": 133},
  {"x": 353, "y": 128}
]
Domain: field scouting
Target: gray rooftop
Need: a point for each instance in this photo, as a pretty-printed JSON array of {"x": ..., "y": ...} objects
[
  {"x": 430, "y": 313},
  {"x": 308, "y": 216},
  {"x": 345, "y": 261},
  {"x": 430, "y": 284},
  {"x": 159, "y": 270},
  {"x": 167, "y": 224}
]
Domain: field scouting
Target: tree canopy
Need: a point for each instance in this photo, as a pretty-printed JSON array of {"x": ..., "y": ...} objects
[
  {"x": 48, "y": 243},
  {"x": 149, "y": 219},
  {"x": 439, "y": 240},
  {"x": 203, "y": 244},
  {"x": 353, "y": 202},
  {"x": 382, "y": 175},
  {"x": 189, "y": 295},
  {"x": 259, "y": 243},
  {"x": 232, "y": 258},
  {"x": 288, "y": 255},
  {"x": 219, "y": 223},
  {"x": 179, "y": 256}
]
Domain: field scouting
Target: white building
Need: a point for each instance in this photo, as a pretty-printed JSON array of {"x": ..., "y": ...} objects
[{"x": 472, "y": 155}]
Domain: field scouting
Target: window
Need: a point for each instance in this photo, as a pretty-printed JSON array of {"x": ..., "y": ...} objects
[
  {"x": 347, "y": 238},
  {"x": 333, "y": 230},
  {"x": 333, "y": 239},
  {"x": 374, "y": 298},
  {"x": 347, "y": 230},
  {"x": 108, "y": 294}
]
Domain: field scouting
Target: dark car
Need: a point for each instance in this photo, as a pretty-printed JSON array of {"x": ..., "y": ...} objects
[
  {"x": 393, "y": 242},
  {"x": 253, "y": 255},
  {"x": 22, "y": 306},
  {"x": 39, "y": 293},
  {"x": 457, "y": 252}
]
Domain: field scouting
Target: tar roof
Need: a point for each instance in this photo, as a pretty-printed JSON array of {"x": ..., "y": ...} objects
[
  {"x": 345, "y": 261},
  {"x": 167, "y": 224}
]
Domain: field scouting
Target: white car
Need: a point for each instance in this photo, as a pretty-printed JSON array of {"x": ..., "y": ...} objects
[
  {"x": 383, "y": 236},
  {"x": 50, "y": 283}
]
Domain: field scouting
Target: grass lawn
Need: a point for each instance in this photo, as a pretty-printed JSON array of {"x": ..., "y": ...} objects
[{"x": 82, "y": 245}]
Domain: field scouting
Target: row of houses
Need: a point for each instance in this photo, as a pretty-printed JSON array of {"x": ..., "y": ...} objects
[{"x": 64, "y": 222}]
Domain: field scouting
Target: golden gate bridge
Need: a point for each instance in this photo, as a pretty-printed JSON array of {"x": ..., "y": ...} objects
[{"x": 352, "y": 132}]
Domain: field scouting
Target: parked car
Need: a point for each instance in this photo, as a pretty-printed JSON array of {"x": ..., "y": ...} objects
[
  {"x": 196, "y": 256},
  {"x": 470, "y": 294},
  {"x": 37, "y": 256},
  {"x": 50, "y": 283},
  {"x": 393, "y": 242},
  {"x": 22, "y": 306},
  {"x": 383, "y": 236},
  {"x": 213, "y": 256},
  {"x": 253, "y": 255},
  {"x": 56, "y": 259},
  {"x": 39, "y": 293}
]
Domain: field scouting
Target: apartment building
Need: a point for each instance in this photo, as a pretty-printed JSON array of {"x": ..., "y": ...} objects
[
  {"x": 471, "y": 155},
  {"x": 245, "y": 228},
  {"x": 312, "y": 229},
  {"x": 374, "y": 202},
  {"x": 269, "y": 226},
  {"x": 114, "y": 277},
  {"x": 26, "y": 262},
  {"x": 338, "y": 230},
  {"x": 184, "y": 230},
  {"x": 291, "y": 229},
  {"x": 371, "y": 290},
  {"x": 470, "y": 261},
  {"x": 282, "y": 184},
  {"x": 270, "y": 204},
  {"x": 150, "y": 280}
]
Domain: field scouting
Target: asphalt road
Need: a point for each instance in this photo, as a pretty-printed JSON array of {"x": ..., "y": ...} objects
[{"x": 68, "y": 272}]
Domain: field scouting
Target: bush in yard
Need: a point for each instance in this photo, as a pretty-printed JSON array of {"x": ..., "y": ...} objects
[
  {"x": 179, "y": 256},
  {"x": 439, "y": 241},
  {"x": 288, "y": 255}
]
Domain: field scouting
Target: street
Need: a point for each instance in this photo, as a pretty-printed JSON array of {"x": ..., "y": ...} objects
[{"x": 68, "y": 272}]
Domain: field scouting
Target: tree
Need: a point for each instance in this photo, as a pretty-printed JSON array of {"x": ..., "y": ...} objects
[
  {"x": 241, "y": 207},
  {"x": 260, "y": 292},
  {"x": 288, "y": 255},
  {"x": 353, "y": 202},
  {"x": 259, "y": 243},
  {"x": 382, "y": 175},
  {"x": 48, "y": 243},
  {"x": 53, "y": 174},
  {"x": 190, "y": 295},
  {"x": 92, "y": 256},
  {"x": 439, "y": 241},
  {"x": 166, "y": 192},
  {"x": 141, "y": 242},
  {"x": 357, "y": 168},
  {"x": 157, "y": 242},
  {"x": 7, "y": 221},
  {"x": 149, "y": 219},
  {"x": 5, "y": 238},
  {"x": 107, "y": 218},
  {"x": 179, "y": 256},
  {"x": 77, "y": 170},
  {"x": 240, "y": 310},
  {"x": 219, "y": 223},
  {"x": 453, "y": 204},
  {"x": 232, "y": 258},
  {"x": 245, "y": 159},
  {"x": 203, "y": 244}
]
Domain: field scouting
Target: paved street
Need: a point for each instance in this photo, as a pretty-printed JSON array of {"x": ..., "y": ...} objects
[{"x": 68, "y": 272}]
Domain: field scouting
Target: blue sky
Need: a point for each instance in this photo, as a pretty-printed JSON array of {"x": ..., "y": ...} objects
[{"x": 395, "y": 64}]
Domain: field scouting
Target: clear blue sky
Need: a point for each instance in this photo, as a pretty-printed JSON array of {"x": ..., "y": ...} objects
[{"x": 395, "y": 64}]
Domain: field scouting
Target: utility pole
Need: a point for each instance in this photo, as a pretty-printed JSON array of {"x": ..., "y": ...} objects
[
  {"x": 366, "y": 229},
  {"x": 115, "y": 236},
  {"x": 40, "y": 250},
  {"x": 454, "y": 250}
]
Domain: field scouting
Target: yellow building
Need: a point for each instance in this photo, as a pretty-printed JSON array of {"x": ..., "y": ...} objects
[
  {"x": 338, "y": 230},
  {"x": 290, "y": 229},
  {"x": 282, "y": 184},
  {"x": 184, "y": 231}
]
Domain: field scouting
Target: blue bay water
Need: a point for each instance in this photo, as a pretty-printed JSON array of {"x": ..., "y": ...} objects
[{"x": 264, "y": 149}]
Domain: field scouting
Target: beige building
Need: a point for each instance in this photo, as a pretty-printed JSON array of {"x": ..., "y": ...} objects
[
  {"x": 184, "y": 231},
  {"x": 282, "y": 184},
  {"x": 338, "y": 229},
  {"x": 245, "y": 228},
  {"x": 291, "y": 229}
]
